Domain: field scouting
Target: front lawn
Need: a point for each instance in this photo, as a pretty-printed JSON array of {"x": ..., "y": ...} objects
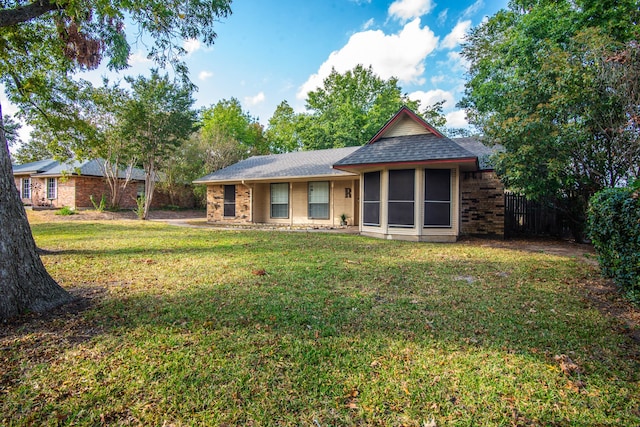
[{"x": 209, "y": 327}]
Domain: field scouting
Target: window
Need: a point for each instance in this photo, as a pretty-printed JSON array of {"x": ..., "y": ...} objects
[
  {"x": 371, "y": 201},
  {"x": 401, "y": 197},
  {"x": 319, "y": 200},
  {"x": 437, "y": 198},
  {"x": 52, "y": 188},
  {"x": 229, "y": 200},
  {"x": 26, "y": 188},
  {"x": 280, "y": 200}
]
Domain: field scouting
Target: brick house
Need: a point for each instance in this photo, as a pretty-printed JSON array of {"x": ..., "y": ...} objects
[
  {"x": 408, "y": 182},
  {"x": 49, "y": 183}
]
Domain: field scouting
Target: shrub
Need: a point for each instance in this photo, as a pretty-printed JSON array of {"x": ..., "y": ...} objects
[
  {"x": 100, "y": 207},
  {"x": 614, "y": 229},
  {"x": 139, "y": 209},
  {"x": 65, "y": 210}
]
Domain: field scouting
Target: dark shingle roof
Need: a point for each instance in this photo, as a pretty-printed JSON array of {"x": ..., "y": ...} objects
[
  {"x": 281, "y": 166},
  {"x": 406, "y": 149},
  {"x": 482, "y": 151},
  {"x": 34, "y": 167},
  {"x": 51, "y": 168}
]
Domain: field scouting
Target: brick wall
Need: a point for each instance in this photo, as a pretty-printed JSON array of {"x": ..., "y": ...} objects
[
  {"x": 482, "y": 207},
  {"x": 215, "y": 204},
  {"x": 76, "y": 191}
]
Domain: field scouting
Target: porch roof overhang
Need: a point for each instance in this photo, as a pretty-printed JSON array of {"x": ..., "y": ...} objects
[
  {"x": 406, "y": 150},
  {"x": 466, "y": 164}
]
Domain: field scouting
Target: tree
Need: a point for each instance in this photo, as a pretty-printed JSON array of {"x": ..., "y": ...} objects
[
  {"x": 227, "y": 120},
  {"x": 11, "y": 128},
  {"x": 350, "y": 108},
  {"x": 42, "y": 43},
  {"x": 110, "y": 145},
  {"x": 534, "y": 89},
  {"x": 156, "y": 120},
  {"x": 281, "y": 132},
  {"x": 183, "y": 167}
]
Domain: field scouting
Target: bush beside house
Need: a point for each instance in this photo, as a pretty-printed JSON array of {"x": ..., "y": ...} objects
[{"x": 614, "y": 228}]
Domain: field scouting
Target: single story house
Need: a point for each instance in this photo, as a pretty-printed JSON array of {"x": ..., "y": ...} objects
[
  {"x": 408, "y": 182},
  {"x": 54, "y": 184}
]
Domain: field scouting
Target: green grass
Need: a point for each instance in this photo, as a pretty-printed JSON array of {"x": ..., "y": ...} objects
[{"x": 341, "y": 330}]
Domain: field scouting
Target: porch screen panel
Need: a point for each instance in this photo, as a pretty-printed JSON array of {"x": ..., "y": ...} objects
[
  {"x": 280, "y": 200},
  {"x": 229, "y": 200},
  {"x": 371, "y": 199},
  {"x": 319, "y": 200},
  {"x": 437, "y": 197},
  {"x": 402, "y": 198}
]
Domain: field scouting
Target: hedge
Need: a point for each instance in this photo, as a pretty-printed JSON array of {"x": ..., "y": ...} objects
[{"x": 614, "y": 229}]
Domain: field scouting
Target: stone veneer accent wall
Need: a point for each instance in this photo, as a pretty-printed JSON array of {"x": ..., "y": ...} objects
[
  {"x": 215, "y": 204},
  {"x": 482, "y": 207}
]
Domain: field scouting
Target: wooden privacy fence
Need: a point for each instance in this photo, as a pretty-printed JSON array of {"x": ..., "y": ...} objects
[{"x": 527, "y": 218}]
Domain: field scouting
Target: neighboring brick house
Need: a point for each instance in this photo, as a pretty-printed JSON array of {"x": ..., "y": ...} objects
[
  {"x": 49, "y": 183},
  {"x": 408, "y": 182}
]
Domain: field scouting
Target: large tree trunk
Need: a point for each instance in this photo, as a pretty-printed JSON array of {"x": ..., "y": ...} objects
[{"x": 25, "y": 284}]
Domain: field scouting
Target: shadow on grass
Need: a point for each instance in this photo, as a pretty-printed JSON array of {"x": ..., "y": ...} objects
[{"x": 270, "y": 329}]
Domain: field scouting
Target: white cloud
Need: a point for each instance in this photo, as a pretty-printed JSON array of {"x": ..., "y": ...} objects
[
  {"x": 368, "y": 24},
  {"x": 405, "y": 10},
  {"x": 435, "y": 80},
  {"x": 473, "y": 9},
  {"x": 455, "y": 62},
  {"x": 191, "y": 45},
  {"x": 398, "y": 55},
  {"x": 431, "y": 97},
  {"x": 254, "y": 100},
  {"x": 204, "y": 75},
  {"x": 442, "y": 17},
  {"x": 457, "y": 35},
  {"x": 457, "y": 119},
  {"x": 138, "y": 57}
]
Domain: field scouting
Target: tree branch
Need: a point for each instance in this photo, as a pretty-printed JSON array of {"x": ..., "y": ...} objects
[{"x": 26, "y": 13}]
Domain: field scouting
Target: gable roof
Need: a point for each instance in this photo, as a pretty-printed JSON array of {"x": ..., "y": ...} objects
[
  {"x": 404, "y": 112},
  {"x": 52, "y": 168},
  {"x": 407, "y": 139},
  {"x": 414, "y": 149},
  {"x": 297, "y": 164}
]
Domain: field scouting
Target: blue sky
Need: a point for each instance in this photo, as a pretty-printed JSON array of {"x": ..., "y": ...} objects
[{"x": 270, "y": 51}]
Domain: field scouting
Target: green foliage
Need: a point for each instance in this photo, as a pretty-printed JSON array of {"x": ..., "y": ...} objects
[
  {"x": 540, "y": 85},
  {"x": 281, "y": 133},
  {"x": 140, "y": 210},
  {"x": 350, "y": 108},
  {"x": 11, "y": 127},
  {"x": 347, "y": 111},
  {"x": 614, "y": 228},
  {"x": 227, "y": 121},
  {"x": 65, "y": 211},
  {"x": 101, "y": 206},
  {"x": 156, "y": 120}
]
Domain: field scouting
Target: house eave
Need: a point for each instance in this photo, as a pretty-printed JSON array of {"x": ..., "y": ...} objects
[
  {"x": 345, "y": 175},
  {"x": 361, "y": 166}
]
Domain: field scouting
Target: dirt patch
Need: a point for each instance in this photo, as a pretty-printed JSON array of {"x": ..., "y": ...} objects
[
  {"x": 579, "y": 251},
  {"x": 93, "y": 215}
]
